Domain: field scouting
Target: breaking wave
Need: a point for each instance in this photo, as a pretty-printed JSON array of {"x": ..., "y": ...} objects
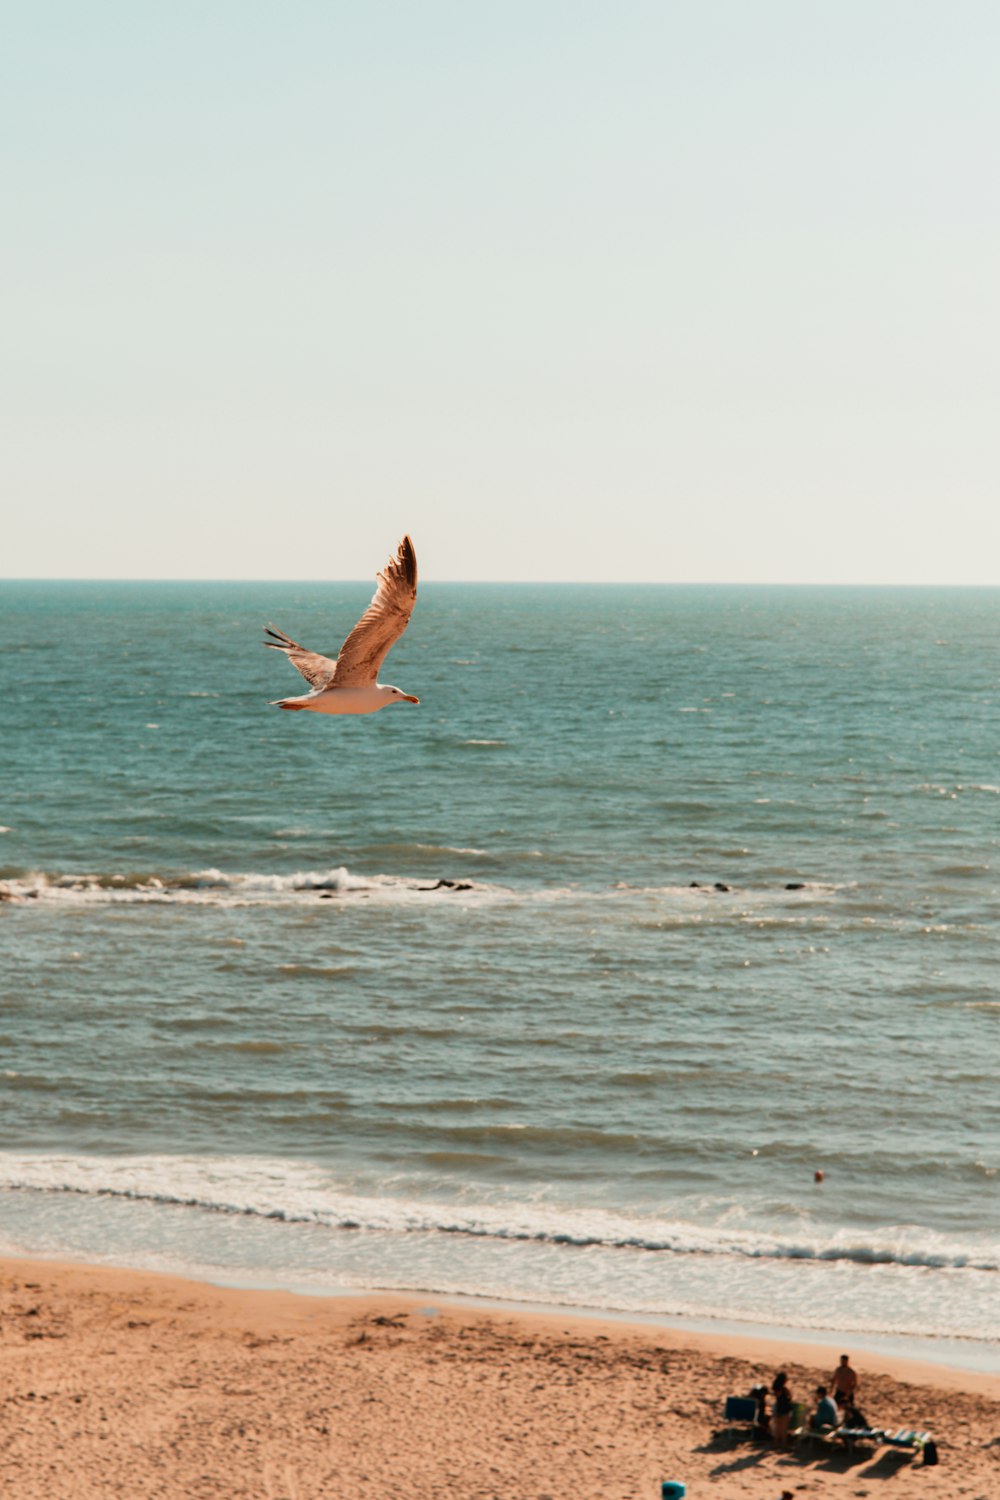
[
  {"x": 297, "y": 1193},
  {"x": 241, "y": 888},
  {"x": 213, "y": 886}
]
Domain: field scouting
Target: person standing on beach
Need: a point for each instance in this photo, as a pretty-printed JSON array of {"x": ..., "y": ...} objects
[{"x": 844, "y": 1382}]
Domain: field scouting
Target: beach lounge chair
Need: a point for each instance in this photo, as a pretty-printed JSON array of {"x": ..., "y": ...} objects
[
  {"x": 851, "y": 1437},
  {"x": 824, "y": 1436},
  {"x": 907, "y": 1439},
  {"x": 739, "y": 1412}
]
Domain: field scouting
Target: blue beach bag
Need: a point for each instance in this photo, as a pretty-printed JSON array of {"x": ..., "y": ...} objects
[{"x": 672, "y": 1489}]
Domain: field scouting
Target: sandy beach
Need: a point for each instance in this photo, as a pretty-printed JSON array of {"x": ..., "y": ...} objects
[{"x": 122, "y": 1383}]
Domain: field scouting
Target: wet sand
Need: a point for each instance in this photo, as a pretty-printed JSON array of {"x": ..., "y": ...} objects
[{"x": 121, "y": 1383}]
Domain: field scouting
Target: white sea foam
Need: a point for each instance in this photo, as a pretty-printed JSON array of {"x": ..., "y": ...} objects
[
  {"x": 213, "y": 886},
  {"x": 304, "y": 1192}
]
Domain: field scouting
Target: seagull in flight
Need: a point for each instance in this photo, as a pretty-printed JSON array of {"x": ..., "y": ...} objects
[{"x": 349, "y": 684}]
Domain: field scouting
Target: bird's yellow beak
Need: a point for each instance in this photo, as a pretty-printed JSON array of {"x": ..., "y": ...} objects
[{"x": 409, "y": 699}]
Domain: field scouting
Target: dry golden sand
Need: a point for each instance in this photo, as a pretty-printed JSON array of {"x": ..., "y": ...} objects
[{"x": 119, "y": 1383}]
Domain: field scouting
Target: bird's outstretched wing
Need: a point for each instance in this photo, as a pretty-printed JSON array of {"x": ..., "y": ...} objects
[
  {"x": 317, "y": 670},
  {"x": 382, "y": 623}
]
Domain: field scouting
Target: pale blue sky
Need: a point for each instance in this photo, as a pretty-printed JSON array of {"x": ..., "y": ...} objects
[{"x": 701, "y": 291}]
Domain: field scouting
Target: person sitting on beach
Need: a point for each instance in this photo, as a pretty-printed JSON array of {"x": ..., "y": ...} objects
[
  {"x": 826, "y": 1413},
  {"x": 783, "y": 1404},
  {"x": 855, "y": 1419},
  {"x": 762, "y": 1419},
  {"x": 844, "y": 1381}
]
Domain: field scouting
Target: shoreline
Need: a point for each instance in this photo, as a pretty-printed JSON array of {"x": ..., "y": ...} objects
[
  {"x": 124, "y": 1382},
  {"x": 950, "y": 1356},
  {"x": 947, "y": 1355}
]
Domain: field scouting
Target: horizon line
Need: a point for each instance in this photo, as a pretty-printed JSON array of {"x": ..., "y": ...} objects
[{"x": 845, "y": 583}]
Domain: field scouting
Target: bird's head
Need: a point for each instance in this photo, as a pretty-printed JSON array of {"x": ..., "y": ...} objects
[{"x": 396, "y": 695}]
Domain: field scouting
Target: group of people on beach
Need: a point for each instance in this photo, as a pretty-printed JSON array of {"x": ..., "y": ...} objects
[{"x": 836, "y": 1405}]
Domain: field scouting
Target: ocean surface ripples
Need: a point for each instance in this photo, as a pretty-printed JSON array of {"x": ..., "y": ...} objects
[{"x": 561, "y": 987}]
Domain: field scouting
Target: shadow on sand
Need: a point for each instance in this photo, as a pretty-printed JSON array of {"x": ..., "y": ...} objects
[{"x": 862, "y": 1464}]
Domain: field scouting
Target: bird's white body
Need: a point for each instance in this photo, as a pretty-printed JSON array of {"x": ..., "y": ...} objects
[{"x": 349, "y": 700}]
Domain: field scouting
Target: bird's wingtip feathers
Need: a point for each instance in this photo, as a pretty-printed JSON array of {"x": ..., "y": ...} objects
[{"x": 406, "y": 555}]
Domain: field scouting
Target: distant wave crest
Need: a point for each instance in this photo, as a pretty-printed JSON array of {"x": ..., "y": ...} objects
[
  {"x": 239, "y": 888},
  {"x": 218, "y": 886}
]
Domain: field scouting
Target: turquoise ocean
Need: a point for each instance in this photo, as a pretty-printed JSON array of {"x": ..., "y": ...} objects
[{"x": 560, "y": 987}]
